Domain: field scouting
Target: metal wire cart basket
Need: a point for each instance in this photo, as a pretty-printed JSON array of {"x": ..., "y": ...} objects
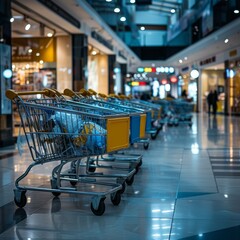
[{"x": 61, "y": 132}]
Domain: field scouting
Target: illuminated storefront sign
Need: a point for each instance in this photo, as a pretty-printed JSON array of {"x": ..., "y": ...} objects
[
  {"x": 33, "y": 49},
  {"x": 156, "y": 69}
]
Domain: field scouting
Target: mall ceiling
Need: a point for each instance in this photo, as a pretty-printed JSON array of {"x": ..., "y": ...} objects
[{"x": 140, "y": 13}]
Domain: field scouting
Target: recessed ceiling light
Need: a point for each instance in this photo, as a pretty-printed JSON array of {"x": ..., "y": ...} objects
[
  {"x": 173, "y": 10},
  {"x": 12, "y": 19},
  {"x": 226, "y": 40},
  {"x": 132, "y": 1},
  {"x": 236, "y": 11},
  {"x": 122, "y": 19},
  {"x": 142, "y": 28},
  {"x": 108, "y": 0},
  {"x": 116, "y": 10},
  {"x": 50, "y": 34},
  {"x": 180, "y": 60},
  {"x": 185, "y": 58}
]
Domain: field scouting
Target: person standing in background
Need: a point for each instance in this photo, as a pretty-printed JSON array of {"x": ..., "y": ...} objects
[
  {"x": 214, "y": 102},
  {"x": 210, "y": 101}
]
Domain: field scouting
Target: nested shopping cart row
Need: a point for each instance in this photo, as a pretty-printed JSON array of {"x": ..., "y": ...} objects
[{"x": 76, "y": 135}]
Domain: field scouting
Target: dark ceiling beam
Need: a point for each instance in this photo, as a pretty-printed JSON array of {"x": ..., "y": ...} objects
[
  {"x": 167, "y": 2},
  {"x": 154, "y": 8}
]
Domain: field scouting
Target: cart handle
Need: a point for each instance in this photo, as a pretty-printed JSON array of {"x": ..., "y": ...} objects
[
  {"x": 113, "y": 95},
  {"x": 12, "y": 94},
  {"x": 92, "y": 91},
  {"x": 102, "y": 95},
  {"x": 70, "y": 93}
]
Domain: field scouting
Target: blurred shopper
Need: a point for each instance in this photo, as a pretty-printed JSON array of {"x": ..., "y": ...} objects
[
  {"x": 214, "y": 102},
  {"x": 184, "y": 94},
  {"x": 212, "y": 99}
]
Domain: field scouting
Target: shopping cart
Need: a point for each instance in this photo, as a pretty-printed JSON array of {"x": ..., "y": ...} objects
[
  {"x": 183, "y": 111},
  {"x": 139, "y": 117},
  {"x": 156, "y": 119},
  {"x": 168, "y": 115},
  {"x": 61, "y": 133},
  {"x": 92, "y": 162}
]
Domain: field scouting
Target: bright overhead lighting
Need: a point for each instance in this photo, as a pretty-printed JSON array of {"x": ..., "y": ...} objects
[
  {"x": 173, "y": 10},
  {"x": 122, "y": 19},
  {"x": 12, "y": 19},
  {"x": 50, "y": 34},
  {"x": 108, "y": 0},
  {"x": 142, "y": 28},
  {"x": 185, "y": 58},
  {"x": 180, "y": 60},
  {"x": 132, "y": 1},
  {"x": 27, "y": 26},
  {"x": 236, "y": 11},
  {"x": 226, "y": 40},
  {"x": 116, "y": 10}
]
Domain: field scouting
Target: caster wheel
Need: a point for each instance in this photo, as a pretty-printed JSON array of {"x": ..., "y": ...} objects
[
  {"x": 91, "y": 169},
  {"x": 123, "y": 188},
  {"x": 140, "y": 163},
  {"x": 56, "y": 194},
  {"x": 153, "y": 136},
  {"x": 116, "y": 198},
  {"x": 130, "y": 181},
  {"x": 73, "y": 183},
  {"x": 100, "y": 210},
  {"x": 146, "y": 145},
  {"x": 22, "y": 201},
  {"x": 54, "y": 186}
]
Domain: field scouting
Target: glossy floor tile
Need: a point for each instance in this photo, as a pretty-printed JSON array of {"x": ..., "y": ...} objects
[{"x": 187, "y": 188}]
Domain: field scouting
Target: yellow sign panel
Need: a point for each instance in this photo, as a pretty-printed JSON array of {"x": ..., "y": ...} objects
[{"x": 33, "y": 49}]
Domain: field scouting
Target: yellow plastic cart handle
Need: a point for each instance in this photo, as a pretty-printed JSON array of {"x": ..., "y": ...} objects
[
  {"x": 102, "y": 95},
  {"x": 68, "y": 92},
  {"x": 12, "y": 94},
  {"x": 92, "y": 91}
]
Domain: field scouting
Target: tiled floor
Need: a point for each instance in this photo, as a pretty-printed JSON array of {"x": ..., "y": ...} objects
[{"x": 188, "y": 187}]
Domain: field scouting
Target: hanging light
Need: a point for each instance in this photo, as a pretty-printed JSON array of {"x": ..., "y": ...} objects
[
  {"x": 122, "y": 19},
  {"x": 116, "y": 10},
  {"x": 27, "y": 25},
  {"x": 194, "y": 73}
]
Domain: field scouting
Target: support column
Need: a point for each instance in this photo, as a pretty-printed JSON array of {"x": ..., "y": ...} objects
[
  {"x": 123, "y": 72},
  {"x": 6, "y": 122},
  {"x": 111, "y": 63},
  {"x": 79, "y": 61}
]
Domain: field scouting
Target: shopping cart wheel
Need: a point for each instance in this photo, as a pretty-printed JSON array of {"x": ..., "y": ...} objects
[
  {"x": 73, "y": 183},
  {"x": 146, "y": 145},
  {"x": 130, "y": 180},
  {"x": 100, "y": 209},
  {"x": 92, "y": 166},
  {"x": 20, "y": 198},
  {"x": 140, "y": 163},
  {"x": 116, "y": 198},
  {"x": 54, "y": 186},
  {"x": 153, "y": 136}
]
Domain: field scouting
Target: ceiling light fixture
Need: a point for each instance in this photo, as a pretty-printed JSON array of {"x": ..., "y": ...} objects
[
  {"x": 173, "y": 10},
  {"x": 12, "y": 19},
  {"x": 226, "y": 40},
  {"x": 108, "y": 0},
  {"x": 116, "y": 10},
  {"x": 236, "y": 11},
  {"x": 142, "y": 28},
  {"x": 28, "y": 25},
  {"x": 122, "y": 19},
  {"x": 132, "y": 1},
  {"x": 180, "y": 60}
]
